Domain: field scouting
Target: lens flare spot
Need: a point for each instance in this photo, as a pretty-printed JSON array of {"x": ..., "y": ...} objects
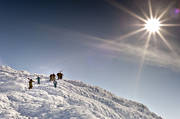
[
  {"x": 177, "y": 11},
  {"x": 152, "y": 25}
]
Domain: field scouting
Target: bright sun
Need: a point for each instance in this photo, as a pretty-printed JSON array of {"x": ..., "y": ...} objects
[{"x": 152, "y": 25}]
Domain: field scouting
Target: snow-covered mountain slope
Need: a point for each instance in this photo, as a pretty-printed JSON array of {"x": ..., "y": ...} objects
[{"x": 70, "y": 100}]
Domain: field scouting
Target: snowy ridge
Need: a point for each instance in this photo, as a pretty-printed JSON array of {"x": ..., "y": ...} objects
[{"x": 70, "y": 100}]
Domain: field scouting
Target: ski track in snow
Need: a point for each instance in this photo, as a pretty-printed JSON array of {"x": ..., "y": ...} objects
[{"x": 70, "y": 100}]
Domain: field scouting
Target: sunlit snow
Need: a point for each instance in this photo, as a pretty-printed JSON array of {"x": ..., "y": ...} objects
[{"x": 70, "y": 100}]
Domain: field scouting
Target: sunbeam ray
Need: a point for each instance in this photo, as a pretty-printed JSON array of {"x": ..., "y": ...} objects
[
  {"x": 167, "y": 44},
  {"x": 142, "y": 25},
  {"x": 165, "y": 11},
  {"x": 164, "y": 20},
  {"x": 165, "y": 41},
  {"x": 117, "y": 5},
  {"x": 150, "y": 9},
  {"x": 156, "y": 13},
  {"x": 170, "y": 25},
  {"x": 130, "y": 34},
  {"x": 142, "y": 60},
  {"x": 143, "y": 35},
  {"x": 167, "y": 32},
  {"x": 145, "y": 15}
]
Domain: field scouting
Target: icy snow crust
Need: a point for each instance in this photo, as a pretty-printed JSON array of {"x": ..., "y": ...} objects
[{"x": 70, "y": 100}]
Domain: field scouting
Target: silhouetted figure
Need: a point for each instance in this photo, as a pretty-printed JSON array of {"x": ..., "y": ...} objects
[
  {"x": 38, "y": 80},
  {"x": 55, "y": 83},
  {"x": 60, "y": 75},
  {"x": 30, "y": 83},
  {"x": 52, "y": 77}
]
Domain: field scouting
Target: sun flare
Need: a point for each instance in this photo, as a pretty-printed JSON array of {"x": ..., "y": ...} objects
[{"x": 152, "y": 25}]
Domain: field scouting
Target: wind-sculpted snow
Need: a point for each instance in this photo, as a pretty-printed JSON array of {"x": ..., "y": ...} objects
[{"x": 70, "y": 100}]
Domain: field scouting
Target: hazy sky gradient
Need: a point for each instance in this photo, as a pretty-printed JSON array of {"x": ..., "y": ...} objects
[{"x": 46, "y": 36}]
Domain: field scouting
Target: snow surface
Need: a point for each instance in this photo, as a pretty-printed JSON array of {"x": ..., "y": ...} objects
[{"x": 70, "y": 100}]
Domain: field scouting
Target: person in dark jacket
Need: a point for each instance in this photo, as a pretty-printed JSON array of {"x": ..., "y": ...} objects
[
  {"x": 30, "y": 83},
  {"x": 55, "y": 83},
  {"x": 52, "y": 77},
  {"x": 60, "y": 75},
  {"x": 38, "y": 80}
]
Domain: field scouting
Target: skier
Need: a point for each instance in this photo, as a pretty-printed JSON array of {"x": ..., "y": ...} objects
[
  {"x": 52, "y": 77},
  {"x": 60, "y": 75},
  {"x": 38, "y": 79},
  {"x": 55, "y": 83},
  {"x": 30, "y": 83}
]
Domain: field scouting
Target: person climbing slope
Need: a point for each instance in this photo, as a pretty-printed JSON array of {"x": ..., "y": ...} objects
[
  {"x": 38, "y": 80},
  {"x": 30, "y": 83},
  {"x": 60, "y": 75},
  {"x": 52, "y": 77},
  {"x": 55, "y": 83}
]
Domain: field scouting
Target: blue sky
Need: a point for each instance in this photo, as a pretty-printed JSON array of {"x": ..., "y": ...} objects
[{"x": 49, "y": 36}]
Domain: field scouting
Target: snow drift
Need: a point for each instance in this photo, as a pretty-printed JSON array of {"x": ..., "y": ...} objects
[{"x": 70, "y": 100}]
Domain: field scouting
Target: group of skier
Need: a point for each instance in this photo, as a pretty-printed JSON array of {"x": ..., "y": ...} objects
[{"x": 52, "y": 78}]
